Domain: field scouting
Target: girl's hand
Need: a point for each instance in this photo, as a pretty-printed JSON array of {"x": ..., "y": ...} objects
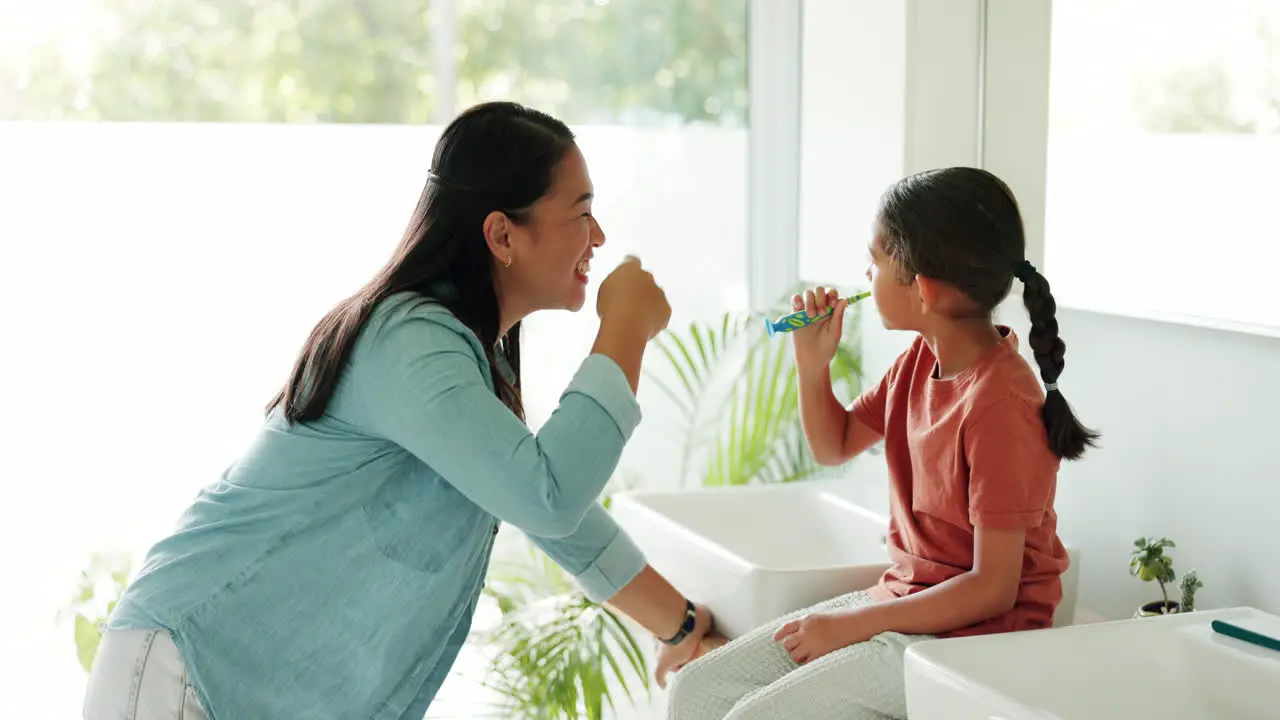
[
  {"x": 813, "y": 636},
  {"x": 673, "y": 657},
  {"x": 816, "y": 344}
]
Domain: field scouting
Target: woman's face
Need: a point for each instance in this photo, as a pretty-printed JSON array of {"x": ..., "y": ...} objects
[{"x": 551, "y": 252}]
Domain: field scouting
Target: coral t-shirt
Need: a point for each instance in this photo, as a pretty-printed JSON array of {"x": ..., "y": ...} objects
[{"x": 964, "y": 452}]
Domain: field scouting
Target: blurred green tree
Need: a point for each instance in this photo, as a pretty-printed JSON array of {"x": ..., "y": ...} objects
[{"x": 372, "y": 61}]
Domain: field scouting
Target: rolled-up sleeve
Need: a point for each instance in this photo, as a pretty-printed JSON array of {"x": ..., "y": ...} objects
[
  {"x": 600, "y": 555},
  {"x": 600, "y": 379},
  {"x": 426, "y": 390}
]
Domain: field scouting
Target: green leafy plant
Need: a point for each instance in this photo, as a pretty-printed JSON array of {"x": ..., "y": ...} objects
[
  {"x": 1148, "y": 562},
  {"x": 736, "y": 392},
  {"x": 97, "y": 591},
  {"x": 558, "y": 654}
]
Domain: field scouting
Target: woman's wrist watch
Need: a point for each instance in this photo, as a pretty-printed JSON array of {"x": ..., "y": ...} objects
[{"x": 686, "y": 627}]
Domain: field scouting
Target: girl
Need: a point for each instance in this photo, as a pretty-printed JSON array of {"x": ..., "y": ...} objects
[{"x": 973, "y": 447}]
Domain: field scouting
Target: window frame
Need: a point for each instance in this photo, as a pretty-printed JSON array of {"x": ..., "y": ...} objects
[
  {"x": 948, "y": 115},
  {"x": 774, "y": 36}
]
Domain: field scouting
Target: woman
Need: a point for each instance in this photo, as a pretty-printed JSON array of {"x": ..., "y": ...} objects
[{"x": 332, "y": 572}]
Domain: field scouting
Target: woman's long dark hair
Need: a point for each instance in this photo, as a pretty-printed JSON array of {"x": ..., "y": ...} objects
[
  {"x": 962, "y": 226},
  {"x": 493, "y": 157}
]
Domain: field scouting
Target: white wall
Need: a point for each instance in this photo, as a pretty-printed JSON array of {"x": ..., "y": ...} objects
[{"x": 1189, "y": 422}]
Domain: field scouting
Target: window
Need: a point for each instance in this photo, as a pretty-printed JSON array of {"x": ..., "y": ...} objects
[
  {"x": 1164, "y": 136},
  {"x": 849, "y": 155},
  {"x": 188, "y": 186}
]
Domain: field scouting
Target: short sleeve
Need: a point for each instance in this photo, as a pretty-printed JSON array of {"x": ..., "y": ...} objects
[
  {"x": 871, "y": 407},
  {"x": 1013, "y": 474}
]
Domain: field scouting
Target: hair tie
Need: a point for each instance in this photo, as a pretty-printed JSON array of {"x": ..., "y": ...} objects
[
  {"x": 434, "y": 177},
  {"x": 1024, "y": 271},
  {"x": 1050, "y": 387}
]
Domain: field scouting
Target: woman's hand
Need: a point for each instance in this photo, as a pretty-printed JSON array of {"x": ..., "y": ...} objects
[
  {"x": 630, "y": 295},
  {"x": 813, "y": 636},
  {"x": 816, "y": 344},
  {"x": 632, "y": 309},
  {"x": 673, "y": 657},
  {"x": 712, "y": 641}
]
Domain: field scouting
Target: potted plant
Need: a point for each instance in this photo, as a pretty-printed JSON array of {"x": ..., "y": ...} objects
[{"x": 1148, "y": 562}]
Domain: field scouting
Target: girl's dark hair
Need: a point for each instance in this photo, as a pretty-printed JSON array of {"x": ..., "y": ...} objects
[
  {"x": 496, "y": 156},
  {"x": 962, "y": 226}
]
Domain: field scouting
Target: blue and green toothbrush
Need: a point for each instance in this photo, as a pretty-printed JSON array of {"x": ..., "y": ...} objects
[{"x": 800, "y": 318}]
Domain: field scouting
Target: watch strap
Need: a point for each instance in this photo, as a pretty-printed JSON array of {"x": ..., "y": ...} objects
[{"x": 690, "y": 620}]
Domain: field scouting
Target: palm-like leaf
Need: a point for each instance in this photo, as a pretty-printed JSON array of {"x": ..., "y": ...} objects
[
  {"x": 762, "y": 407},
  {"x": 558, "y": 653},
  {"x": 697, "y": 359},
  {"x": 557, "y": 656},
  {"x": 739, "y": 401}
]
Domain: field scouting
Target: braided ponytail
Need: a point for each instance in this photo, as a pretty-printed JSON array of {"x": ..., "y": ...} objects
[{"x": 1067, "y": 436}]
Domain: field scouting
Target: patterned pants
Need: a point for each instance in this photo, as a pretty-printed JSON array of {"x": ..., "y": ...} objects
[{"x": 754, "y": 678}]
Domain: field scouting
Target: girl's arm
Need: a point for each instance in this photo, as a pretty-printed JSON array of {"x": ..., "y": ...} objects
[
  {"x": 988, "y": 590},
  {"x": 835, "y": 434}
]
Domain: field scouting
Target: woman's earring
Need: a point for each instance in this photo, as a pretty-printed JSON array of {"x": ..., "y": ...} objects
[{"x": 507, "y": 263}]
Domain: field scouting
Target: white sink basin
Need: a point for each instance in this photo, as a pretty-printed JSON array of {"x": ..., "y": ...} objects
[
  {"x": 753, "y": 553},
  {"x": 1172, "y": 668}
]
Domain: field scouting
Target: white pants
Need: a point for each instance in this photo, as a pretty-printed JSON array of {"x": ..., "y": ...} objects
[
  {"x": 139, "y": 675},
  {"x": 754, "y": 678}
]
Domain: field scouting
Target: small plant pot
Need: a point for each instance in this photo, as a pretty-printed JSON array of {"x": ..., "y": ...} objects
[{"x": 1157, "y": 608}]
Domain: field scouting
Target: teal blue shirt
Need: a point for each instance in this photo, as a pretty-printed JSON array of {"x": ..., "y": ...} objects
[{"x": 333, "y": 570}]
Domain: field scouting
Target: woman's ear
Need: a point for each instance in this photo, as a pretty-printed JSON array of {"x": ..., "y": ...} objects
[{"x": 497, "y": 235}]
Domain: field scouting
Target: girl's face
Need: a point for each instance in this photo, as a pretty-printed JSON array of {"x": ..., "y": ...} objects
[{"x": 897, "y": 302}]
